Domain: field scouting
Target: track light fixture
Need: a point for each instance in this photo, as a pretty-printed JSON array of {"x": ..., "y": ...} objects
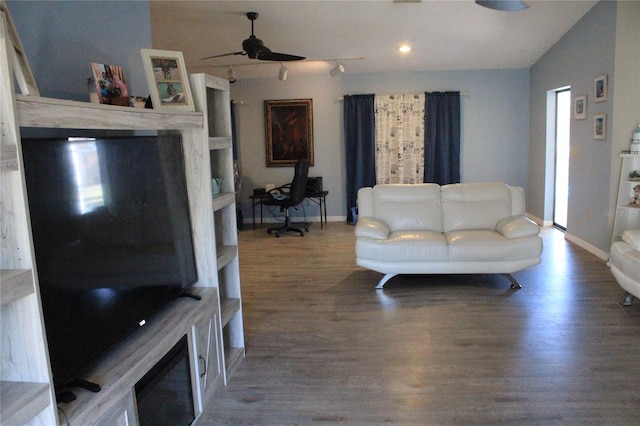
[
  {"x": 231, "y": 75},
  {"x": 282, "y": 75},
  {"x": 339, "y": 68}
]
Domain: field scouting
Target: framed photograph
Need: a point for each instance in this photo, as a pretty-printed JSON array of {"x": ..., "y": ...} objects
[
  {"x": 110, "y": 84},
  {"x": 289, "y": 131},
  {"x": 167, "y": 79},
  {"x": 580, "y": 107},
  {"x": 600, "y": 126},
  {"x": 17, "y": 58},
  {"x": 600, "y": 88}
]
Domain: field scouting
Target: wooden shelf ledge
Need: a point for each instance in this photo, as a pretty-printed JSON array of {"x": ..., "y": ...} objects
[
  {"x": 20, "y": 402},
  {"x": 15, "y": 284}
]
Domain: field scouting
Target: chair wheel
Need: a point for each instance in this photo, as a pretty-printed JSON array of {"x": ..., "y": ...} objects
[
  {"x": 302, "y": 233},
  {"x": 277, "y": 235},
  {"x": 269, "y": 231},
  {"x": 306, "y": 228}
]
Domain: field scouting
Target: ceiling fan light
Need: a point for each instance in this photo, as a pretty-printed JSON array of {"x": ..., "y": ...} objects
[
  {"x": 282, "y": 75},
  {"x": 337, "y": 70},
  {"x": 504, "y": 5}
]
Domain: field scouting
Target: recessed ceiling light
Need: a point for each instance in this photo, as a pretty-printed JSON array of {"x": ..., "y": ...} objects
[{"x": 405, "y": 48}]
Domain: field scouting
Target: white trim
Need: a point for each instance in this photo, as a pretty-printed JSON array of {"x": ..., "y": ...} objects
[{"x": 588, "y": 247}]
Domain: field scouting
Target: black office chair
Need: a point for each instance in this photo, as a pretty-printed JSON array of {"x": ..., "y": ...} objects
[{"x": 289, "y": 196}]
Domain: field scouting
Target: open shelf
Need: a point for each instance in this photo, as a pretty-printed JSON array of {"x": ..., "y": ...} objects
[
  {"x": 36, "y": 111},
  {"x": 228, "y": 308},
  {"x": 225, "y": 255},
  {"x": 220, "y": 142},
  {"x": 15, "y": 284},
  {"x": 222, "y": 200},
  {"x": 20, "y": 402}
]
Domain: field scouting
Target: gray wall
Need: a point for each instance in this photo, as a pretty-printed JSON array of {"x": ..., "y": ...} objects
[
  {"x": 587, "y": 50},
  {"x": 62, "y": 38},
  {"x": 495, "y": 111}
]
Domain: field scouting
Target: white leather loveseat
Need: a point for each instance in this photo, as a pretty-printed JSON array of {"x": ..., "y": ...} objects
[
  {"x": 624, "y": 263},
  {"x": 467, "y": 228}
]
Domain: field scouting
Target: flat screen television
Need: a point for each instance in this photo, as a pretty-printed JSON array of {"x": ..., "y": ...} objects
[{"x": 112, "y": 239}]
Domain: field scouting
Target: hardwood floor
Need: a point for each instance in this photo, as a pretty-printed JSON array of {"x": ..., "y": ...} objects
[{"x": 324, "y": 347}]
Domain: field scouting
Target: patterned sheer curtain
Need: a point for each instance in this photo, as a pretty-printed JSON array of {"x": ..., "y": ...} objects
[{"x": 399, "y": 138}]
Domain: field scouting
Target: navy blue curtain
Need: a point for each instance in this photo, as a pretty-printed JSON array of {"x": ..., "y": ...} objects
[
  {"x": 360, "y": 141},
  {"x": 442, "y": 137},
  {"x": 234, "y": 138}
]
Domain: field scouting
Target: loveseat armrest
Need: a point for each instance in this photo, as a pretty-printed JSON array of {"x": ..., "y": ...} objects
[
  {"x": 372, "y": 228},
  {"x": 517, "y": 226}
]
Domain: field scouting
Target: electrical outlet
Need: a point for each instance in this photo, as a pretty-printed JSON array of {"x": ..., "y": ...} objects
[{"x": 590, "y": 214}]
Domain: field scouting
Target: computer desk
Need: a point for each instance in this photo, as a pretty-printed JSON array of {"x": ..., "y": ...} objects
[{"x": 320, "y": 198}]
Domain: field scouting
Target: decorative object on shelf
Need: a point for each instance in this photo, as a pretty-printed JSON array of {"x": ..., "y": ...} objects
[
  {"x": 289, "y": 131},
  {"x": 216, "y": 185},
  {"x": 634, "y": 175},
  {"x": 92, "y": 90},
  {"x": 600, "y": 126},
  {"x": 110, "y": 84},
  {"x": 634, "y": 143},
  {"x": 600, "y": 88},
  {"x": 17, "y": 58},
  {"x": 167, "y": 79},
  {"x": 580, "y": 107},
  {"x": 636, "y": 195}
]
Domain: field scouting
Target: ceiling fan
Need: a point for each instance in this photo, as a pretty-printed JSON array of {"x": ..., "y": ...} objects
[{"x": 254, "y": 48}]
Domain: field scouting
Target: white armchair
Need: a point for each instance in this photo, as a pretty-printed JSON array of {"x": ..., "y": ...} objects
[{"x": 624, "y": 263}]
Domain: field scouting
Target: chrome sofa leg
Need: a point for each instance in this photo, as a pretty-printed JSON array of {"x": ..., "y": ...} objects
[
  {"x": 628, "y": 299},
  {"x": 384, "y": 280},
  {"x": 514, "y": 284}
]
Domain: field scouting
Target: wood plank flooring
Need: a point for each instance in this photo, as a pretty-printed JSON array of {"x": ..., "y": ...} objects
[{"x": 324, "y": 347}]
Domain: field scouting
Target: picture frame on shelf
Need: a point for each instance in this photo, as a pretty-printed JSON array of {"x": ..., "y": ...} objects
[
  {"x": 110, "y": 84},
  {"x": 599, "y": 126},
  {"x": 167, "y": 79},
  {"x": 580, "y": 107},
  {"x": 600, "y": 89},
  {"x": 289, "y": 131}
]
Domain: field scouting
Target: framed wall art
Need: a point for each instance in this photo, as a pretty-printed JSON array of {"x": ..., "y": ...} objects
[
  {"x": 289, "y": 131},
  {"x": 167, "y": 79},
  {"x": 600, "y": 126},
  {"x": 580, "y": 107},
  {"x": 600, "y": 88}
]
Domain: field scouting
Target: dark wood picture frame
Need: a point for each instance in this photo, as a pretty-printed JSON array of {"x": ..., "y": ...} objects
[{"x": 289, "y": 131}]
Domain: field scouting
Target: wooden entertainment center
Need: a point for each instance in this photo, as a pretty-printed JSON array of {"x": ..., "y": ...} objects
[{"x": 213, "y": 325}]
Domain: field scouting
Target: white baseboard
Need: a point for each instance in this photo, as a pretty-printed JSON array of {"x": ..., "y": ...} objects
[{"x": 585, "y": 245}]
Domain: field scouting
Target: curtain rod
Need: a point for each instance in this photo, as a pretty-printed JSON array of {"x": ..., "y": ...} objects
[{"x": 462, "y": 94}]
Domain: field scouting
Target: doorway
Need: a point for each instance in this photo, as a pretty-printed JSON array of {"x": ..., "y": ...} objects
[{"x": 562, "y": 149}]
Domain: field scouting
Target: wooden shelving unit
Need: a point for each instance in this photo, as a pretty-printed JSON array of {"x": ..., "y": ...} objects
[
  {"x": 627, "y": 215},
  {"x": 212, "y": 98},
  {"x": 215, "y": 334}
]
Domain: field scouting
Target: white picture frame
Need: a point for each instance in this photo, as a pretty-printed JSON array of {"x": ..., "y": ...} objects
[
  {"x": 600, "y": 88},
  {"x": 599, "y": 126},
  {"x": 580, "y": 107},
  {"x": 167, "y": 79}
]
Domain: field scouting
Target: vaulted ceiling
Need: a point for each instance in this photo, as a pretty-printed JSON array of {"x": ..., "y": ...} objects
[{"x": 443, "y": 35}]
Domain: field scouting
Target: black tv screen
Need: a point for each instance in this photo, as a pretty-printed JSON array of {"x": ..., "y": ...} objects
[{"x": 112, "y": 239}]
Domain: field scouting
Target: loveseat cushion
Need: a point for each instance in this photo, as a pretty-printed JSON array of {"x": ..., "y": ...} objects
[
  {"x": 372, "y": 228},
  {"x": 517, "y": 226},
  {"x": 475, "y": 205},
  {"x": 405, "y": 246},
  {"x": 632, "y": 237},
  {"x": 408, "y": 207},
  {"x": 484, "y": 245}
]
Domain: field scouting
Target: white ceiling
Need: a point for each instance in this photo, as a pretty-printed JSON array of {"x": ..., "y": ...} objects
[{"x": 444, "y": 35}]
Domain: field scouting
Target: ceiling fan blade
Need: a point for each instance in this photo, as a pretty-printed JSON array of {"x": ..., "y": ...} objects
[
  {"x": 224, "y": 54},
  {"x": 278, "y": 57}
]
